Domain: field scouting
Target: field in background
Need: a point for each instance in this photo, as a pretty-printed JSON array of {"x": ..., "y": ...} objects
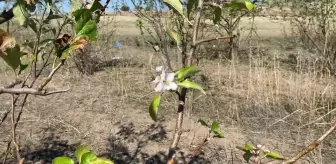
[{"x": 262, "y": 96}]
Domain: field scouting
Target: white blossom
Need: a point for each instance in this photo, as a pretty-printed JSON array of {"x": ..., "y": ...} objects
[{"x": 165, "y": 81}]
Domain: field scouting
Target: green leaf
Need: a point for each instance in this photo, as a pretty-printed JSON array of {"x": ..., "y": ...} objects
[
  {"x": 217, "y": 15},
  {"x": 154, "y": 107},
  {"x": 62, "y": 160},
  {"x": 186, "y": 72},
  {"x": 273, "y": 155},
  {"x": 82, "y": 149},
  {"x": 32, "y": 24},
  {"x": 175, "y": 5},
  {"x": 12, "y": 56},
  {"x": 174, "y": 35},
  {"x": 89, "y": 30},
  {"x": 23, "y": 68},
  {"x": 189, "y": 84},
  {"x": 249, "y": 5},
  {"x": 248, "y": 147},
  {"x": 96, "y": 6},
  {"x": 203, "y": 122},
  {"x": 75, "y": 5},
  {"x": 88, "y": 157},
  {"x": 101, "y": 160},
  {"x": 82, "y": 16},
  {"x": 215, "y": 126},
  {"x": 20, "y": 12},
  {"x": 240, "y": 4},
  {"x": 69, "y": 50},
  {"x": 218, "y": 134},
  {"x": 247, "y": 156},
  {"x": 190, "y": 6}
]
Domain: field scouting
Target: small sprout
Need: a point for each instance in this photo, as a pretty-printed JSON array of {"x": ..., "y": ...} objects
[{"x": 165, "y": 81}]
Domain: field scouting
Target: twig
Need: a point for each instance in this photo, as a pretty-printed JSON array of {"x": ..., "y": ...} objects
[
  {"x": 311, "y": 146},
  {"x": 105, "y": 6},
  {"x": 50, "y": 76},
  {"x": 17, "y": 148},
  {"x": 212, "y": 39},
  {"x": 318, "y": 118},
  {"x": 31, "y": 91}
]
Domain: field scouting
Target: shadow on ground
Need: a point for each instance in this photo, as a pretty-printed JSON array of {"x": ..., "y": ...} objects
[
  {"x": 141, "y": 139},
  {"x": 128, "y": 146}
]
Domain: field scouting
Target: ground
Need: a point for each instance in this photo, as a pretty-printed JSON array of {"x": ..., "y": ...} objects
[{"x": 257, "y": 98}]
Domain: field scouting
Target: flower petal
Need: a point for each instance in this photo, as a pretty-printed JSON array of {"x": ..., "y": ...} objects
[
  {"x": 159, "y": 87},
  {"x": 156, "y": 80},
  {"x": 173, "y": 86},
  {"x": 159, "y": 68},
  {"x": 170, "y": 77}
]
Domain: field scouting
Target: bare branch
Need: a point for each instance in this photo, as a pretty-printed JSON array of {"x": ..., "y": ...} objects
[
  {"x": 212, "y": 39},
  {"x": 31, "y": 91},
  {"x": 312, "y": 146},
  {"x": 52, "y": 73},
  {"x": 16, "y": 144}
]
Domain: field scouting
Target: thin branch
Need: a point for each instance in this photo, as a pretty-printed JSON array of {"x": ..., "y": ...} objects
[
  {"x": 212, "y": 39},
  {"x": 105, "y": 6},
  {"x": 312, "y": 146},
  {"x": 17, "y": 147},
  {"x": 52, "y": 73},
  {"x": 31, "y": 91}
]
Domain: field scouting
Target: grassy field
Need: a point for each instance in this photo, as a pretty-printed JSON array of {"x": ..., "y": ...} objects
[{"x": 261, "y": 97}]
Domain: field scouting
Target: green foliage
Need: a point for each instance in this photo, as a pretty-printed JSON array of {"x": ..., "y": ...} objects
[
  {"x": 273, "y": 155},
  {"x": 63, "y": 160},
  {"x": 85, "y": 29},
  {"x": 248, "y": 147},
  {"x": 259, "y": 152},
  {"x": 240, "y": 4},
  {"x": 202, "y": 122},
  {"x": 186, "y": 72},
  {"x": 190, "y": 85},
  {"x": 217, "y": 15},
  {"x": 21, "y": 13},
  {"x": 84, "y": 156},
  {"x": 214, "y": 128},
  {"x": 12, "y": 57},
  {"x": 82, "y": 149},
  {"x": 176, "y": 5},
  {"x": 190, "y": 6},
  {"x": 154, "y": 107},
  {"x": 87, "y": 157}
]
